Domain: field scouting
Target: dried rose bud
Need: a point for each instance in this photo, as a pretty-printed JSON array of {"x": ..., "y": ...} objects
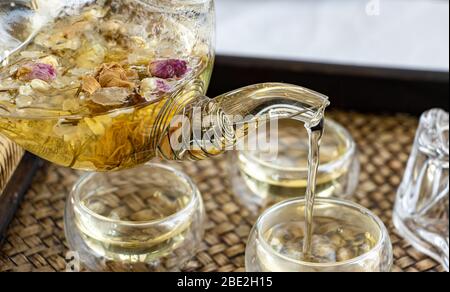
[
  {"x": 39, "y": 71},
  {"x": 166, "y": 69},
  {"x": 163, "y": 86}
]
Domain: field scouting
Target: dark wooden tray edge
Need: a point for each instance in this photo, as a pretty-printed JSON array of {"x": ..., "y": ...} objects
[
  {"x": 351, "y": 88},
  {"x": 16, "y": 189}
]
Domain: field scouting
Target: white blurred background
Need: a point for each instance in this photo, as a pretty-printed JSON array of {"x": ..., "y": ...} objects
[{"x": 388, "y": 33}]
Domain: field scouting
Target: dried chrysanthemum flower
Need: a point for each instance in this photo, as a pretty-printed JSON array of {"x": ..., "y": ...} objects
[
  {"x": 112, "y": 96},
  {"x": 26, "y": 90},
  {"x": 138, "y": 42},
  {"x": 90, "y": 56},
  {"x": 9, "y": 84},
  {"x": 39, "y": 85},
  {"x": 165, "y": 69},
  {"x": 116, "y": 55},
  {"x": 94, "y": 14},
  {"x": 65, "y": 36},
  {"x": 44, "y": 72},
  {"x": 113, "y": 75},
  {"x": 113, "y": 28},
  {"x": 74, "y": 29},
  {"x": 141, "y": 56},
  {"x": 32, "y": 54}
]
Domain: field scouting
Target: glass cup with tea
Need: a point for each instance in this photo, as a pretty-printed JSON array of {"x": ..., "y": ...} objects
[
  {"x": 345, "y": 237},
  {"x": 149, "y": 218},
  {"x": 261, "y": 178}
]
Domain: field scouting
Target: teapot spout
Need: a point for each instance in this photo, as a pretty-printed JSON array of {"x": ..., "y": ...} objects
[{"x": 208, "y": 127}]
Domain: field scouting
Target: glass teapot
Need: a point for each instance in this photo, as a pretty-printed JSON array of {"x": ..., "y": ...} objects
[{"x": 103, "y": 85}]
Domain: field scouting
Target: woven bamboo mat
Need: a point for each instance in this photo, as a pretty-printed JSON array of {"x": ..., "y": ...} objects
[{"x": 35, "y": 240}]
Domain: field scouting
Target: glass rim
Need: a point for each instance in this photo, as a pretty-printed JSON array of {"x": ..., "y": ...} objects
[
  {"x": 333, "y": 201},
  {"x": 350, "y": 151},
  {"x": 194, "y": 195}
]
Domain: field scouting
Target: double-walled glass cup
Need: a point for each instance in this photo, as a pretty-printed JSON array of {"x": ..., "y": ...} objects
[
  {"x": 347, "y": 238},
  {"x": 421, "y": 212},
  {"x": 261, "y": 178},
  {"x": 150, "y": 218}
]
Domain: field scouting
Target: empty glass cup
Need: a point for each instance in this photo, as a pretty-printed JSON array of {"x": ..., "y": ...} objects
[
  {"x": 421, "y": 212},
  {"x": 149, "y": 218},
  {"x": 347, "y": 238},
  {"x": 261, "y": 179}
]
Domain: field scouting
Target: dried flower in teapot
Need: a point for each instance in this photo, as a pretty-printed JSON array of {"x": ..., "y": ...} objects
[
  {"x": 165, "y": 69},
  {"x": 152, "y": 87},
  {"x": 44, "y": 72},
  {"x": 112, "y": 96},
  {"x": 113, "y": 75},
  {"x": 90, "y": 84}
]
